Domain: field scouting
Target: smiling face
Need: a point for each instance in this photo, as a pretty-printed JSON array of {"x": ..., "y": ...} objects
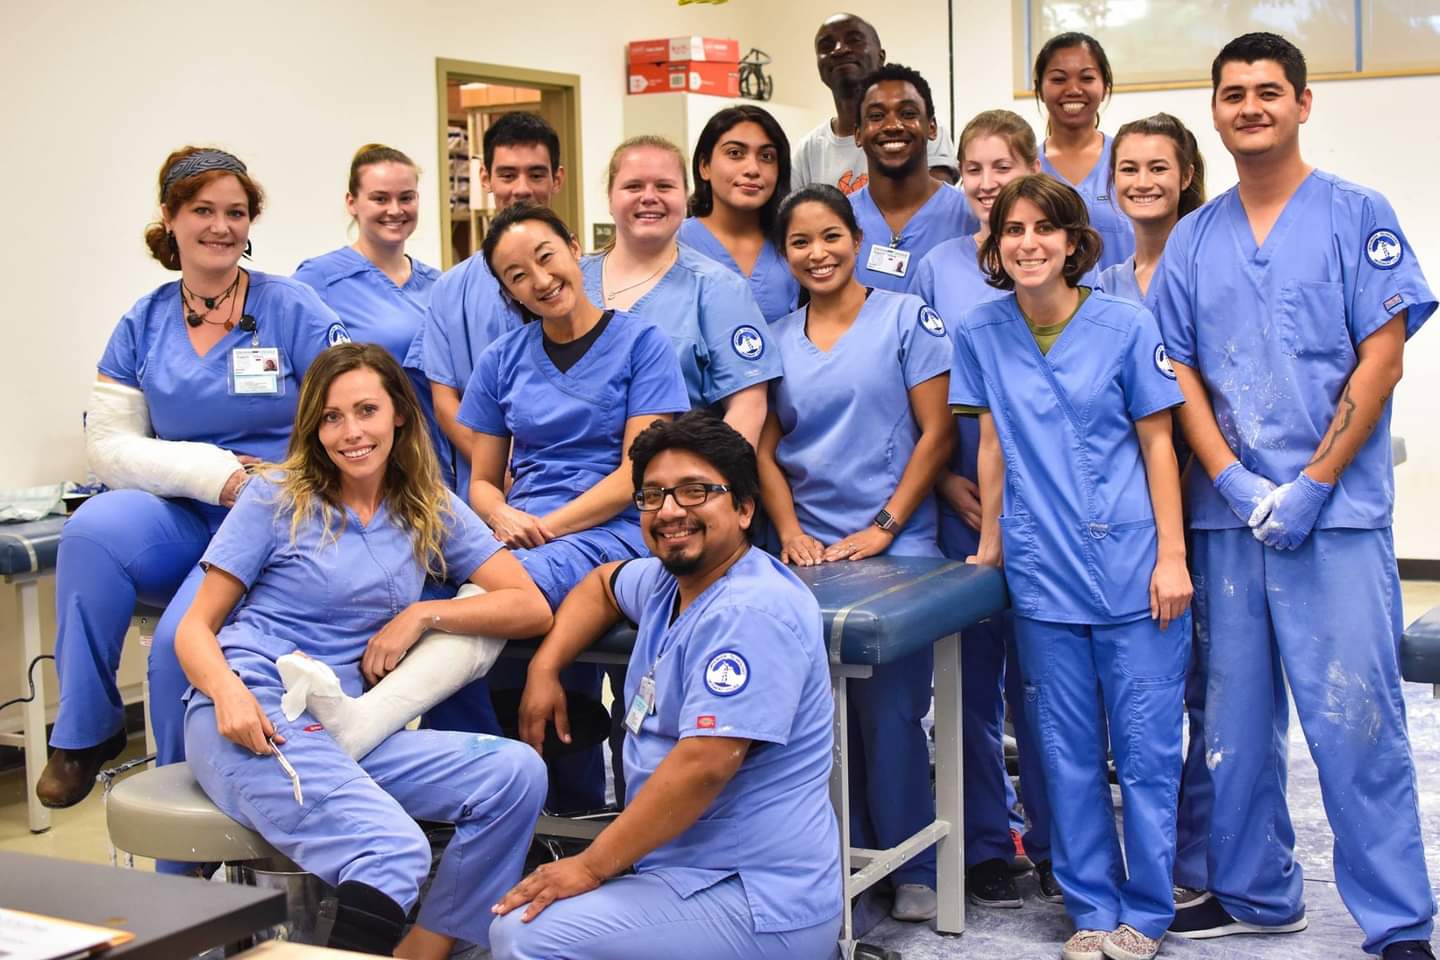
[
  {"x": 895, "y": 129},
  {"x": 387, "y": 208},
  {"x": 520, "y": 173},
  {"x": 743, "y": 168},
  {"x": 357, "y": 427},
  {"x": 1072, "y": 87},
  {"x": 820, "y": 248},
  {"x": 211, "y": 229},
  {"x": 692, "y": 540},
  {"x": 1255, "y": 109},
  {"x": 846, "y": 49},
  {"x": 647, "y": 200},
  {"x": 1033, "y": 249},
  {"x": 540, "y": 269},
  {"x": 987, "y": 166},
  {"x": 1148, "y": 177}
]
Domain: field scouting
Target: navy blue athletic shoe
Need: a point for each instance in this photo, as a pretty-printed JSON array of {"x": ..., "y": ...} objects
[
  {"x": 1408, "y": 950},
  {"x": 1204, "y": 918}
]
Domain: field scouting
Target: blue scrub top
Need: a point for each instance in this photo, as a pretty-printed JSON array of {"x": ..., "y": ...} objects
[
  {"x": 324, "y": 595},
  {"x": 1119, "y": 281},
  {"x": 568, "y": 428},
  {"x": 189, "y": 396},
  {"x": 847, "y": 428},
  {"x": 376, "y": 310},
  {"x": 1273, "y": 333},
  {"x": 1113, "y": 226},
  {"x": 944, "y": 216},
  {"x": 771, "y": 283},
  {"x": 713, "y": 323},
  {"x": 1078, "y": 526},
  {"x": 746, "y": 659},
  {"x": 951, "y": 281}
]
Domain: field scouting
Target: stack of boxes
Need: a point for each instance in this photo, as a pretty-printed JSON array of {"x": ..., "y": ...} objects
[{"x": 708, "y": 65}]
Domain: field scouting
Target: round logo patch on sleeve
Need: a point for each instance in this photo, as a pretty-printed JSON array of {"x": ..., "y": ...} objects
[
  {"x": 931, "y": 321},
  {"x": 726, "y": 674},
  {"x": 337, "y": 334},
  {"x": 747, "y": 342},
  {"x": 1384, "y": 250},
  {"x": 1162, "y": 361}
]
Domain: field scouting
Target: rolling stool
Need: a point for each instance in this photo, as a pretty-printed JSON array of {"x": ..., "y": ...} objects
[
  {"x": 1420, "y": 651},
  {"x": 163, "y": 813}
]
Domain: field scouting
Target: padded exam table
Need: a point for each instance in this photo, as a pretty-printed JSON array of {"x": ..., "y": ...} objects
[{"x": 876, "y": 611}]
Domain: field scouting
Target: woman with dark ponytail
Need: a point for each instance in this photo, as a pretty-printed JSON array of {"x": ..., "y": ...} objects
[
  {"x": 1158, "y": 176},
  {"x": 198, "y": 382},
  {"x": 380, "y": 292}
]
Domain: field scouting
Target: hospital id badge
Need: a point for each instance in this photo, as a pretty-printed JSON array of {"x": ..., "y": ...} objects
[
  {"x": 255, "y": 371},
  {"x": 642, "y": 706},
  {"x": 888, "y": 260}
]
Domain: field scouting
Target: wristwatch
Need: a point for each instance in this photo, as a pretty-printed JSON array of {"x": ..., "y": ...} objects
[{"x": 885, "y": 521}]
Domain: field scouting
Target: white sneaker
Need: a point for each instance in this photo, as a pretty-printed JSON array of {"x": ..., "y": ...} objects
[{"x": 914, "y": 903}]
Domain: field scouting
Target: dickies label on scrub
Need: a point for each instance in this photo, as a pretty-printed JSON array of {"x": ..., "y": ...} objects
[
  {"x": 705, "y": 723},
  {"x": 727, "y": 673},
  {"x": 256, "y": 371}
]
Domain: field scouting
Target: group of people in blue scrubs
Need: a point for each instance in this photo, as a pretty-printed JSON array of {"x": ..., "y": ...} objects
[{"x": 761, "y": 373}]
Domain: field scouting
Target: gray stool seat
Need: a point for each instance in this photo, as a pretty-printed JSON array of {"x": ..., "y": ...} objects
[
  {"x": 1420, "y": 650},
  {"x": 163, "y": 813}
]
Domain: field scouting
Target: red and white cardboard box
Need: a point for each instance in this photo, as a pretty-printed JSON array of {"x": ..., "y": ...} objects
[
  {"x": 715, "y": 79},
  {"x": 681, "y": 49}
]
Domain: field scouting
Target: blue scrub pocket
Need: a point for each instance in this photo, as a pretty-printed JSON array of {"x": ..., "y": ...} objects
[
  {"x": 1123, "y": 559},
  {"x": 1310, "y": 322},
  {"x": 1022, "y": 556}
]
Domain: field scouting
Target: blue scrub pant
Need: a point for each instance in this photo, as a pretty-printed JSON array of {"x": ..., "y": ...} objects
[
  {"x": 1327, "y": 617},
  {"x": 1192, "y": 823},
  {"x": 357, "y": 823},
  {"x": 890, "y": 795},
  {"x": 120, "y": 547},
  {"x": 1131, "y": 676},
  {"x": 577, "y": 781},
  {"x": 991, "y": 677},
  {"x": 638, "y": 916}
]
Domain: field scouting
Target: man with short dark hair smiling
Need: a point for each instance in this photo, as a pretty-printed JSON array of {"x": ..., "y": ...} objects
[{"x": 728, "y": 822}]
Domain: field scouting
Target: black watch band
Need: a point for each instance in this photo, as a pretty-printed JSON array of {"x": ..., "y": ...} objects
[{"x": 885, "y": 521}]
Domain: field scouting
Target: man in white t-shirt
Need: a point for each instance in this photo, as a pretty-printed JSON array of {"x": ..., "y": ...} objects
[{"x": 846, "y": 50}]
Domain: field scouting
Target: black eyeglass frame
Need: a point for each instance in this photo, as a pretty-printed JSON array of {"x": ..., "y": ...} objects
[{"x": 708, "y": 488}]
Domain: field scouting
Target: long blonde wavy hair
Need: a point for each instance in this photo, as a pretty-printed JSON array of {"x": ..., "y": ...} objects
[{"x": 308, "y": 482}]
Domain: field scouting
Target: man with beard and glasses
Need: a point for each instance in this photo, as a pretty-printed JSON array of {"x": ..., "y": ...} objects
[
  {"x": 727, "y": 822},
  {"x": 847, "y": 49},
  {"x": 903, "y": 212}
]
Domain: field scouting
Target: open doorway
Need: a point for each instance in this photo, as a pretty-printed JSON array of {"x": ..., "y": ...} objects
[{"x": 471, "y": 97}]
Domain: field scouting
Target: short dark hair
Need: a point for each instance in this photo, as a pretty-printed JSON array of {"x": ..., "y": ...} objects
[
  {"x": 520, "y": 129},
  {"x": 1062, "y": 206},
  {"x": 894, "y": 71},
  {"x": 821, "y": 193},
  {"x": 702, "y": 201},
  {"x": 1261, "y": 46},
  {"x": 1064, "y": 41},
  {"x": 519, "y": 213},
  {"x": 708, "y": 437}
]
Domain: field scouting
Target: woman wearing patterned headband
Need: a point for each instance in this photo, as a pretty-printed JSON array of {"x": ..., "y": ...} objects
[{"x": 199, "y": 381}]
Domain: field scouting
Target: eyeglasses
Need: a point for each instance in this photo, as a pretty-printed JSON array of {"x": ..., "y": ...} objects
[{"x": 650, "y": 499}]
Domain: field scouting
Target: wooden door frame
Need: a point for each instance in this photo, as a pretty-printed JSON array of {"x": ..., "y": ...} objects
[{"x": 470, "y": 71}]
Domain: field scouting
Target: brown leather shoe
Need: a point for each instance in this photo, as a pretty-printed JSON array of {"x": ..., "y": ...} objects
[{"x": 70, "y": 774}]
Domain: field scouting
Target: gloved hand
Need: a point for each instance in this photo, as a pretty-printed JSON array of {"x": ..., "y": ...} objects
[
  {"x": 1286, "y": 515},
  {"x": 1242, "y": 490}
]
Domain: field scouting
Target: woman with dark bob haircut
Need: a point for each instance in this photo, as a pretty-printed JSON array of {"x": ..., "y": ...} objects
[
  {"x": 741, "y": 167},
  {"x": 1080, "y": 495}
]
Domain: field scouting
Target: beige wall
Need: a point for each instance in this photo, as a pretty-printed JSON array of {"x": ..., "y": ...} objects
[{"x": 98, "y": 93}]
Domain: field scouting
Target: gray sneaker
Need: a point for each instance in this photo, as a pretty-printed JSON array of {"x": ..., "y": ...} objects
[{"x": 914, "y": 903}]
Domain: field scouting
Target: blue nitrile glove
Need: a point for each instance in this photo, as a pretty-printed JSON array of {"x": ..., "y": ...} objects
[
  {"x": 1242, "y": 490},
  {"x": 1285, "y": 517}
]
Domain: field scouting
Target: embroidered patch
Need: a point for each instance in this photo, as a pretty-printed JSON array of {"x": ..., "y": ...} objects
[
  {"x": 337, "y": 334},
  {"x": 1394, "y": 303},
  {"x": 931, "y": 321},
  {"x": 1383, "y": 249},
  {"x": 726, "y": 674},
  {"x": 747, "y": 342},
  {"x": 1162, "y": 361},
  {"x": 705, "y": 723}
]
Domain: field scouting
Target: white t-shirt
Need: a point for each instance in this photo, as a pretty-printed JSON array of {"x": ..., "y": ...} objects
[{"x": 823, "y": 157}]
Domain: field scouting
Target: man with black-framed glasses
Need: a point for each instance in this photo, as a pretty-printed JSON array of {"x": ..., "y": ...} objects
[{"x": 727, "y": 823}]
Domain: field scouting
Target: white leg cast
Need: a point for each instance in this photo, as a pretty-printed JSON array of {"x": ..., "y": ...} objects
[{"x": 437, "y": 666}]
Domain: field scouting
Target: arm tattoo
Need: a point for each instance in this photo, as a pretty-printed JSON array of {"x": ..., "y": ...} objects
[{"x": 1343, "y": 416}]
